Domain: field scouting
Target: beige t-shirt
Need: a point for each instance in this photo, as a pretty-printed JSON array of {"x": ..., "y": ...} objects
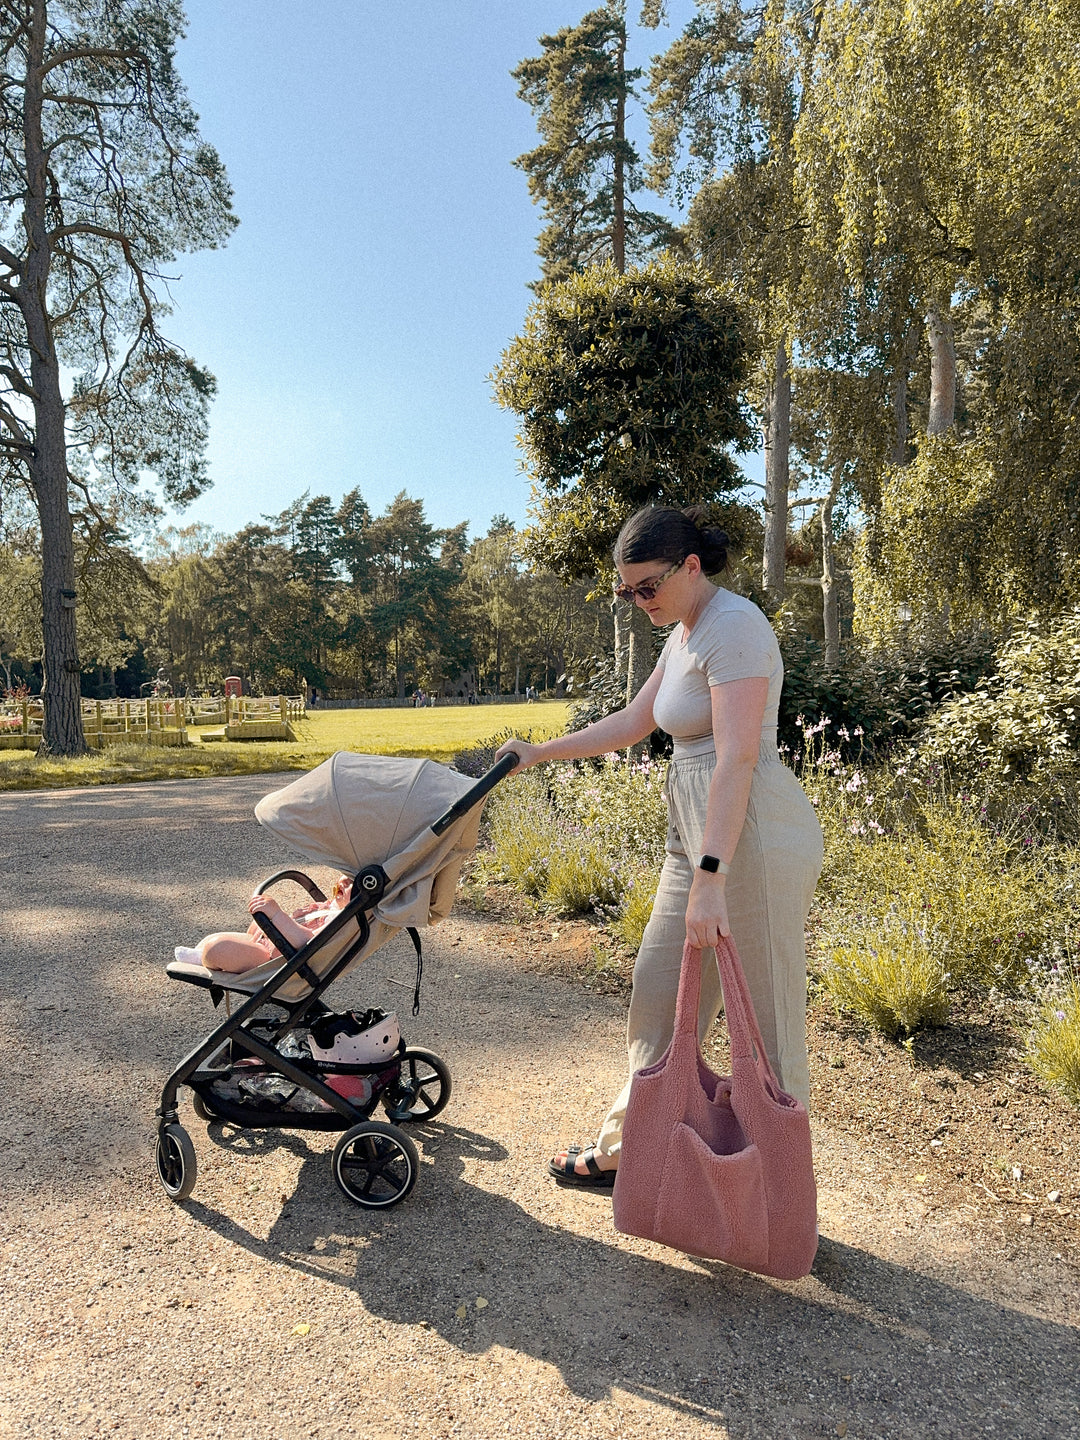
[{"x": 731, "y": 640}]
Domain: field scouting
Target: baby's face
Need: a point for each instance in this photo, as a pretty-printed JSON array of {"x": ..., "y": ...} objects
[{"x": 342, "y": 889}]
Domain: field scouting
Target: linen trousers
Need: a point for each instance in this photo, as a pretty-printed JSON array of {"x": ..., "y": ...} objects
[{"x": 769, "y": 889}]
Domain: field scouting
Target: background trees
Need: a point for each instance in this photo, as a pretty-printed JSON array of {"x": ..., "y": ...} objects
[
  {"x": 627, "y": 388},
  {"x": 107, "y": 179}
]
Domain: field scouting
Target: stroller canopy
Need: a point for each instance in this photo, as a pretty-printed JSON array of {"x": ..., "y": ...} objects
[{"x": 357, "y": 810}]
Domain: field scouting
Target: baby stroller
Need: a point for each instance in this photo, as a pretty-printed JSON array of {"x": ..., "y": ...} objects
[{"x": 281, "y": 1059}]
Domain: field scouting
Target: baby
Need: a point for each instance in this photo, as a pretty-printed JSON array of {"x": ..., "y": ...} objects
[{"x": 230, "y": 951}]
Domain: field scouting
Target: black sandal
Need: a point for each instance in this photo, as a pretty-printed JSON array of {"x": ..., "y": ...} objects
[{"x": 566, "y": 1174}]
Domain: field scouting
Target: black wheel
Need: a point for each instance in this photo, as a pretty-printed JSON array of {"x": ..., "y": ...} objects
[
  {"x": 375, "y": 1164},
  {"x": 175, "y": 1156},
  {"x": 202, "y": 1109},
  {"x": 423, "y": 1090}
]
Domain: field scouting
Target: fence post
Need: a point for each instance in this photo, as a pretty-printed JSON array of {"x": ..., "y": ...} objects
[{"x": 25, "y": 717}]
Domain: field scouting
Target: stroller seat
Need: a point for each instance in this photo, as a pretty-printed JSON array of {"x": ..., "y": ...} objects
[{"x": 246, "y": 982}]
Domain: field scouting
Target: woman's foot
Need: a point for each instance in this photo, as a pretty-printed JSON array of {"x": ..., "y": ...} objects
[{"x": 587, "y": 1167}]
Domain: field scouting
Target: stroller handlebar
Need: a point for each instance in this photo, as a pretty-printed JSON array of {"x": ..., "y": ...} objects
[{"x": 472, "y": 797}]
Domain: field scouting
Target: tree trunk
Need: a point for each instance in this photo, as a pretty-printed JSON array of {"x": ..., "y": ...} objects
[
  {"x": 62, "y": 732},
  {"x": 900, "y": 441},
  {"x": 830, "y": 600},
  {"x": 776, "y": 430},
  {"x": 640, "y": 660},
  {"x": 618, "y": 188},
  {"x": 621, "y": 616},
  {"x": 939, "y": 330}
]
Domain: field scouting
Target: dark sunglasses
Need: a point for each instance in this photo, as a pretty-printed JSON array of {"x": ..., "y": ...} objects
[{"x": 646, "y": 592}]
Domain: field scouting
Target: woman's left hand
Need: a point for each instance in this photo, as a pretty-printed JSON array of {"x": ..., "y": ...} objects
[{"x": 706, "y": 910}]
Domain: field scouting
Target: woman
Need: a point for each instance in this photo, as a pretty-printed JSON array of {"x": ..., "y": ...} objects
[{"x": 743, "y": 846}]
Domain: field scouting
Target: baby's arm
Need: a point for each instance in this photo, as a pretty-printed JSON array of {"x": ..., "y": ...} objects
[{"x": 294, "y": 933}]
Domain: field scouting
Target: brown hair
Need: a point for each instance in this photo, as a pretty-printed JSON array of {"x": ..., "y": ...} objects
[{"x": 659, "y": 532}]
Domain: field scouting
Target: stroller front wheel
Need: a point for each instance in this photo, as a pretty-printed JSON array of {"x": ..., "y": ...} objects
[
  {"x": 175, "y": 1157},
  {"x": 375, "y": 1164}
]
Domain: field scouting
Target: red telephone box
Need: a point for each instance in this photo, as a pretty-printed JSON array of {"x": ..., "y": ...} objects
[{"x": 234, "y": 687}]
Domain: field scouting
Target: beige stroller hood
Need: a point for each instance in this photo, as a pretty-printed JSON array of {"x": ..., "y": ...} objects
[{"x": 357, "y": 810}]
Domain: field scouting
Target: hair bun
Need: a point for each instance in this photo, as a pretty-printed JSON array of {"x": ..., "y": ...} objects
[{"x": 663, "y": 533}]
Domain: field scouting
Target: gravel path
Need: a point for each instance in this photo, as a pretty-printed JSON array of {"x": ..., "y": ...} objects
[{"x": 490, "y": 1302}]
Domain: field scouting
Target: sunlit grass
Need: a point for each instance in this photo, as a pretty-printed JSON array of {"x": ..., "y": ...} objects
[{"x": 434, "y": 734}]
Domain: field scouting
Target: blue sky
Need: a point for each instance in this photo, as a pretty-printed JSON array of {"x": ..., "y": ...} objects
[{"x": 385, "y": 246}]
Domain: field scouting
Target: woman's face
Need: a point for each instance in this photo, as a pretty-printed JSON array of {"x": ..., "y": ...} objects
[{"x": 672, "y": 598}]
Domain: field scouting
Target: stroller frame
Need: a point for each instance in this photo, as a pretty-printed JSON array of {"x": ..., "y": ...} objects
[{"x": 375, "y": 1163}]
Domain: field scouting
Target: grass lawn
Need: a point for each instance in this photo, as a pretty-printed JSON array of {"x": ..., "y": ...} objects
[{"x": 435, "y": 734}]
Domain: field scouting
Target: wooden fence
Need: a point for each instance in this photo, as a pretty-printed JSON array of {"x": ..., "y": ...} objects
[
  {"x": 105, "y": 722},
  {"x": 157, "y": 721}
]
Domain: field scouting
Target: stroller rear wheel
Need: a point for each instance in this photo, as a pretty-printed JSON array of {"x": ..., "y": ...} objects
[
  {"x": 423, "y": 1090},
  {"x": 375, "y": 1164},
  {"x": 202, "y": 1109},
  {"x": 175, "y": 1156}
]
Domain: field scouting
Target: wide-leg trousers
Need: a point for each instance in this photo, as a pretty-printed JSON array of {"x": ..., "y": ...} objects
[{"x": 769, "y": 890}]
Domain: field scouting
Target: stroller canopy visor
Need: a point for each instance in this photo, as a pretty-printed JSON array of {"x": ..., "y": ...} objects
[{"x": 357, "y": 810}]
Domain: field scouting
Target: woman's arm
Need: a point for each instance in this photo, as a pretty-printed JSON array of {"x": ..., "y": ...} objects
[
  {"x": 738, "y": 708},
  {"x": 614, "y": 732}
]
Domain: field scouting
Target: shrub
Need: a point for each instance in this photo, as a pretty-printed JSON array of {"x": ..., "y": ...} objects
[
  {"x": 581, "y": 837},
  {"x": 1023, "y": 721},
  {"x": 878, "y": 694},
  {"x": 890, "y": 971},
  {"x": 1053, "y": 1045},
  {"x": 998, "y": 896},
  {"x": 629, "y": 923}
]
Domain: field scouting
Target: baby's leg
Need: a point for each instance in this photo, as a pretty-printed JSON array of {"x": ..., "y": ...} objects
[{"x": 231, "y": 951}]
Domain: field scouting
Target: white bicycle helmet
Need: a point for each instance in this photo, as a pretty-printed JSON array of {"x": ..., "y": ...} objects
[{"x": 355, "y": 1039}]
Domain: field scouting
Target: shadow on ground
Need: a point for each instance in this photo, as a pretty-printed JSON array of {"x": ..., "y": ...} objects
[{"x": 760, "y": 1357}]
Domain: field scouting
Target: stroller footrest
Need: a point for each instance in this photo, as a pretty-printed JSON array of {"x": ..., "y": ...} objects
[{"x": 245, "y": 982}]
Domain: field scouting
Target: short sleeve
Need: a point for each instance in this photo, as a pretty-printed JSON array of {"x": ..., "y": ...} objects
[{"x": 738, "y": 645}]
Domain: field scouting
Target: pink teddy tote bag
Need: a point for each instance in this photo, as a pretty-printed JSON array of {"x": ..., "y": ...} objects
[{"x": 718, "y": 1166}]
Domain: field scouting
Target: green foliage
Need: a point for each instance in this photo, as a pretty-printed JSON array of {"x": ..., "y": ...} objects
[
  {"x": 890, "y": 972},
  {"x": 1053, "y": 1044},
  {"x": 585, "y": 170},
  {"x": 1024, "y": 720},
  {"x": 996, "y": 896},
  {"x": 627, "y": 388},
  {"x": 581, "y": 838},
  {"x": 877, "y": 694},
  {"x": 631, "y": 919},
  {"x": 930, "y": 179}
]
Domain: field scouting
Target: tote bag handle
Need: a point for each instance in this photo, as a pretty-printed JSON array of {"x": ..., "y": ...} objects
[{"x": 746, "y": 1042}]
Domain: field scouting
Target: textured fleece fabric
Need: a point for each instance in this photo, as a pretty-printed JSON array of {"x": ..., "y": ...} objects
[
  {"x": 769, "y": 889},
  {"x": 719, "y": 1166}
]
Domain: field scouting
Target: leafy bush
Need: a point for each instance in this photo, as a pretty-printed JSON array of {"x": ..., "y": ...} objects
[
  {"x": 633, "y": 916},
  {"x": 1001, "y": 899},
  {"x": 877, "y": 695},
  {"x": 581, "y": 837},
  {"x": 1024, "y": 720},
  {"x": 1053, "y": 1045},
  {"x": 890, "y": 971}
]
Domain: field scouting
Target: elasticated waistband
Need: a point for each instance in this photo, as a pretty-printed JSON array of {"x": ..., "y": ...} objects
[{"x": 703, "y": 745}]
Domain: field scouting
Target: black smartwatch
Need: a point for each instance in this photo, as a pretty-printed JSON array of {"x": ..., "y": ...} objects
[{"x": 713, "y": 864}]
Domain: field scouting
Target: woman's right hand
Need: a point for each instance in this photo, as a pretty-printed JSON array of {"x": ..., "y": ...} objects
[{"x": 527, "y": 754}]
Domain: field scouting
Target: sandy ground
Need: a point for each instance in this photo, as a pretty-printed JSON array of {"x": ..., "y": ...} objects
[{"x": 490, "y": 1302}]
